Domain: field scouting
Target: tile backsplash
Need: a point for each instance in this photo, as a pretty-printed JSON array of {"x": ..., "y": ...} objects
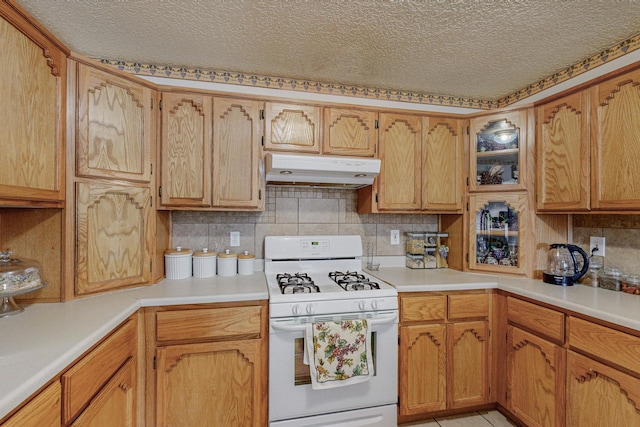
[
  {"x": 296, "y": 211},
  {"x": 622, "y": 238}
]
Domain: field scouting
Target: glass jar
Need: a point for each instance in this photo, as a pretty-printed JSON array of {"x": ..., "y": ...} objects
[
  {"x": 610, "y": 279},
  {"x": 631, "y": 284},
  {"x": 593, "y": 274}
]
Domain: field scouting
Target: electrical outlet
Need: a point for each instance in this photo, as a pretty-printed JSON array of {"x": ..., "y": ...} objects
[
  {"x": 395, "y": 237},
  {"x": 596, "y": 246},
  {"x": 234, "y": 238}
]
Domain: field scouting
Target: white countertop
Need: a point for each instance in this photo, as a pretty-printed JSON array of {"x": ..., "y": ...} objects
[
  {"x": 43, "y": 340},
  {"x": 40, "y": 342}
]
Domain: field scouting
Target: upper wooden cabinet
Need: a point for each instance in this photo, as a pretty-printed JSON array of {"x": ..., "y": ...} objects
[
  {"x": 237, "y": 130},
  {"x": 32, "y": 111},
  {"x": 498, "y": 152},
  {"x": 114, "y": 127},
  {"x": 186, "y": 150},
  {"x": 562, "y": 147},
  {"x": 211, "y": 153},
  {"x": 114, "y": 232},
  {"x": 292, "y": 127},
  {"x": 442, "y": 164},
  {"x": 616, "y": 143},
  {"x": 350, "y": 132},
  {"x": 400, "y": 179}
]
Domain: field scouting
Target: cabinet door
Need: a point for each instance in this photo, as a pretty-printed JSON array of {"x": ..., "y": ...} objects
[
  {"x": 423, "y": 369},
  {"x": 41, "y": 411},
  {"x": 442, "y": 164},
  {"x": 32, "y": 112},
  {"x": 115, "y": 404},
  {"x": 562, "y": 133},
  {"x": 350, "y": 132},
  {"x": 497, "y": 152},
  {"x": 237, "y": 182},
  {"x": 400, "y": 179},
  {"x": 186, "y": 150},
  {"x": 468, "y": 346},
  {"x": 497, "y": 229},
  {"x": 210, "y": 384},
  {"x": 535, "y": 379},
  {"x": 114, "y": 127},
  {"x": 616, "y": 143},
  {"x": 598, "y": 395},
  {"x": 113, "y": 237},
  {"x": 292, "y": 127}
]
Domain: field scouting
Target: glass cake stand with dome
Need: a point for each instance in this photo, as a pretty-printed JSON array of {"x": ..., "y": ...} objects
[{"x": 17, "y": 277}]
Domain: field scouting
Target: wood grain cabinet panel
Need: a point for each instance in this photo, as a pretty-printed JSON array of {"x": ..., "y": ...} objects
[
  {"x": 350, "y": 132},
  {"x": 535, "y": 379},
  {"x": 186, "y": 150},
  {"x": 113, "y": 138},
  {"x": 113, "y": 237},
  {"x": 616, "y": 143},
  {"x": 423, "y": 369},
  {"x": 423, "y": 308},
  {"x": 42, "y": 411},
  {"x": 466, "y": 306},
  {"x": 599, "y": 395},
  {"x": 468, "y": 353},
  {"x": 543, "y": 321},
  {"x": 32, "y": 112},
  {"x": 236, "y": 158},
  {"x": 442, "y": 164},
  {"x": 400, "y": 179},
  {"x": 292, "y": 127},
  {"x": 562, "y": 145}
]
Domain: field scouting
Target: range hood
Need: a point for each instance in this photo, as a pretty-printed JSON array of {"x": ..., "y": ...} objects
[{"x": 320, "y": 171}]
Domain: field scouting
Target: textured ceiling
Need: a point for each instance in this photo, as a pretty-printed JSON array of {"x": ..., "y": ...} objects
[{"x": 478, "y": 49}]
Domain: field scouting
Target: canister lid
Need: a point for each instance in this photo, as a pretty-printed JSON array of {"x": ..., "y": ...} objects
[
  {"x": 178, "y": 251},
  {"x": 205, "y": 253},
  {"x": 227, "y": 254},
  {"x": 246, "y": 255}
]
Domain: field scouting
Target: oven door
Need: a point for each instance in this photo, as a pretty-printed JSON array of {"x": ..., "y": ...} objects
[{"x": 290, "y": 392}]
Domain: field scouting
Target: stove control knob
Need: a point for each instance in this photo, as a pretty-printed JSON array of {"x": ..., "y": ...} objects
[
  {"x": 295, "y": 309},
  {"x": 374, "y": 304},
  {"x": 362, "y": 305},
  {"x": 311, "y": 308}
]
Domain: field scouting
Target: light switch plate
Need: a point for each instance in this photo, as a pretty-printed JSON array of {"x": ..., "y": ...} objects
[
  {"x": 395, "y": 237},
  {"x": 234, "y": 238}
]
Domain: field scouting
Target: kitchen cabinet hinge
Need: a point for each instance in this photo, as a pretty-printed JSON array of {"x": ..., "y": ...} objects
[
  {"x": 261, "y": 114},
  {"x": 160, "y": 191},
  {"x": 467, "y": 130},
  {"x": 375, "y": 148},
  {"x": 151, "y": 200},
  {"x": 376, "y": 125},
  {"x": 467, "y": 206},
  {"x": 467, "y": 256},
  {"x": 376, "y": 198},
  {"x": 262, "y": 137},
  {"x": 154, "y": 362},
  {"x": 151, "y": 169},
  {"x": 259, "y": 194},
  {"x": 160, "y": 105},
  {"x": 467, "y": 181},
  {"x": 152, "y": 103},
  {"x": 151, "y": 266}
]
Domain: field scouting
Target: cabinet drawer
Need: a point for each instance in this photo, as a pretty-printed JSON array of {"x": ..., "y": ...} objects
[
  {"x": 544, "y": 321},
  {"x": 415, "y": 309},
  {"x": 82, "y": 381},
  {"x": 605, "y": 343},
  {"x": 208, "y": 323},
  {"x": 466, "y": 306}
]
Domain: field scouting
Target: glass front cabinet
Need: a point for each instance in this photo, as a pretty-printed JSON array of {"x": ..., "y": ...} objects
[
  {"x": 497, "y": 153},
  {"x": 497, "y": 228}
]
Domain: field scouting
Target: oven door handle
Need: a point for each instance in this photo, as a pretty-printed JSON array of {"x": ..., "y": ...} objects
[{"x": 383, "y": 319}]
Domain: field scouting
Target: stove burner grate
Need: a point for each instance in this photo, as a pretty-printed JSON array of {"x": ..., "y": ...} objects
[
  {"x": 353, "y": 281},
  {"x": 296, "y": 283}
]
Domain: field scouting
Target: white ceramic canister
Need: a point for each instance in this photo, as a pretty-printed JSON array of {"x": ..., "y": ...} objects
[
  {"x": 245, "y": 263},
  {"x": 227, "y": 263},
  {"x": 177, "y": 263},
  {"x": 204, "y": 263}
]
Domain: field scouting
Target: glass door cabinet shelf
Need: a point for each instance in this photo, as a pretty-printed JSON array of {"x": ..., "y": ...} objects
[
  {"x": 496, "y": 224},
  {"x": 497, "y": 152}
]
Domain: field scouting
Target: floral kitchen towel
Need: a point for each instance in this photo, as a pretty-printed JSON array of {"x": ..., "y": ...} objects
[{"x": 339, "y": 353}]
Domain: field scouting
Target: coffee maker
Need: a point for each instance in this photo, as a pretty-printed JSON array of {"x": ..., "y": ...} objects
[{"x": 563, "y": 267}]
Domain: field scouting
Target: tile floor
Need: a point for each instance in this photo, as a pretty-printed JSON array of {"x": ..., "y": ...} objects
[{"x": 476, "y": 419}]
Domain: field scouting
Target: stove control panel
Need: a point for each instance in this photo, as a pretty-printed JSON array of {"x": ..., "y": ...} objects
[
  {"x": 309, "y": 308},
  {"x": 315, "y": 245}
]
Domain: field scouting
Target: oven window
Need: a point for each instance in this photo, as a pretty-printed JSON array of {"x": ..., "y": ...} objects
[{"x": 302, "y": 374}]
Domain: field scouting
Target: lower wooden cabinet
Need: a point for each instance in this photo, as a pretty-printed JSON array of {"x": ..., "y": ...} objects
[
  {"x": 210, "y": 365},
  {"x": 444, "y": 352},
  {"x": 41, "y": 411}
]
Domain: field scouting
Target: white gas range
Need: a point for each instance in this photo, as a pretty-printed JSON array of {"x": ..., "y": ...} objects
[{"x": 320, "y": 279}]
